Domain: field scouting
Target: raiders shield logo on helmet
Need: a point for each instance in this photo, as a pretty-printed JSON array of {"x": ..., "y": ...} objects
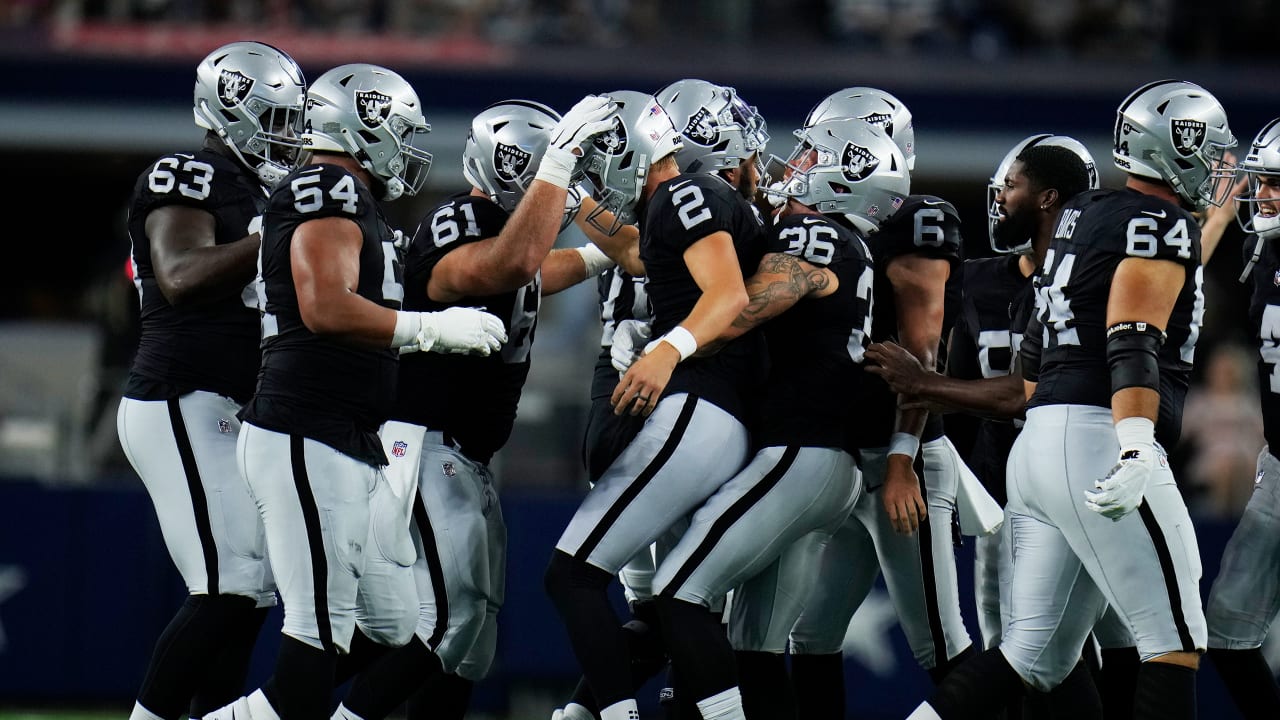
[
  {"x": 700, "y": 129},
  {"x": 233, "y": 87},
  {"x": 1188, "y": 136},
  {"x": 510, "y": 162},
  {"x": 884, "y": 120},
  {"x": 857, "y": 163},
  {"x": 612, "y": 142},
  {"x": 374, "y": 107}
]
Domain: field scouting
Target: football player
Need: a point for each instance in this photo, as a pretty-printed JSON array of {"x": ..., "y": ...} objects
[
  {"x": 195, "y": 244},
  {"x": 761, "y": 531},
  {"x": 1120, "y": 301},
  {"x": 902, "y": 522},
  {"x": 984, "y": 376},
  {"x": 698, "y": 233},
  {"x": 331, "y": 335},
  {"x": 487, "y": 247},
  {"x": 718, "y": 130},
  {"x": 1246, "y": 594}
]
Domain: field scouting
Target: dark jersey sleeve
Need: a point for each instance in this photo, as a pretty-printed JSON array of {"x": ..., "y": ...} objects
[
  {"x": 816, "y": 239},
  {"x": 1156, "y": 229},
  {"x": 924, "y": 225},
  {"x": 181, "y": 179},
  {"x": 324, "y": 191},
  {"x": 455, "y": 222},
  {"x": 703, "y": 204}
]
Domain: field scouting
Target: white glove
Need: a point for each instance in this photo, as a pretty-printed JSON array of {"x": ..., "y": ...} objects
[
  {"x": 455, "y": 330},
  {"x": 629, "y": 339},
  {"x": 593, "y": 115},
  {"x": 1120, "y": 492}
]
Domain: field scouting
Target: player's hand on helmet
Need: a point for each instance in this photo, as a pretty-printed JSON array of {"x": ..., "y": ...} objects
[
  {"x": 459, "y": 330},
  {"x": 593, "y": 115},
  {"x": 642, "y": 384},
  {"x": 1120, "y": 492},
  {"x": 901, "y": 494},
  {"x": 629, "y": 340}
]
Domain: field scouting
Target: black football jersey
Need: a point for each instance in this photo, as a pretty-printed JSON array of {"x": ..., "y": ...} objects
[
  {"x": 470, "y": 398},
  {"x": 1096, "y": 231},
  {"x": 622, "y": 297},
  {"x": 988, "y": 331},
  {"x": 818, "y": 343},
  {"x": 212, "y": 345},
  {"x": 925, "y": 226},
  {"x": 310, "y": 385},
  {"x": 1264, "y": 316},
  {"x": 682, "y": 211}
]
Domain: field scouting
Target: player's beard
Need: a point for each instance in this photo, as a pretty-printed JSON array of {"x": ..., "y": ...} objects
[{"x": 1015, "y": 229}]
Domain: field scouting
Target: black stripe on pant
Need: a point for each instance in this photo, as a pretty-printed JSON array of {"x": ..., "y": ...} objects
[
  {"x": 928, "y": 575},
  {"x": 634, "y": 489},
  {"x": 730, "y": 516},
  {"x": 436, "y": 569},
  {"x": 1170, "y": 575},
  {"x": 315, "y": 540},
  {"x": 195, "y": 488}
]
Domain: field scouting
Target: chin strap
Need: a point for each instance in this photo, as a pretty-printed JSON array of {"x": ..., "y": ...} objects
[{"x": 1253, "y": 260}]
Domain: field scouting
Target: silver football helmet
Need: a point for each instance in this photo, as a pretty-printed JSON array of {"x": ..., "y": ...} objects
[
  {"x": 373, "y": 115},
  {"x": 718, "y": 129},
  {"x": 617, "y": 162},
  {"x": 251, "y": 95},
  {"x": 846, "y": 166},
  {"x": 506, "y": 142},
  {"x": 996, "y": 183},
  {"x": 1263, "y": 160},
  {"x": 874, "y": 106},
  {"x": 1175, "y": 132}
]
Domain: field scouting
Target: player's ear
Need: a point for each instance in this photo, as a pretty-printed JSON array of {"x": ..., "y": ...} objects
[{"x": 1048, "y": 198}]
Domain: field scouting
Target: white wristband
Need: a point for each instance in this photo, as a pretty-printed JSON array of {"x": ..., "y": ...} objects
[
  {"x": 594, "y": 258},
  {"x": 407, "y": 326},
  {"x": 1135, "y": 432},
  {"x": 556, "y": 166},
  {"x": 682, "y": 340},
  {"x": 901, "y": 443}
]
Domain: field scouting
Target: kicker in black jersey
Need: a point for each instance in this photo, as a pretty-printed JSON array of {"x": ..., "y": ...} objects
[
  {"x": 1096, "y": 231},
  {"x": 681, "y": 212},
  {"x": 929, "y": 227},
  {"x": 210, "y": 346},
  {"x": 309, "y": 385},
  {"x": 473, "y": 399},
  {"x": 816, "y": 346}
]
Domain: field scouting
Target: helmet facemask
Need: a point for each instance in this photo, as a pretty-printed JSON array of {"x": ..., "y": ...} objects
[{"x": 1260, "y": 168}]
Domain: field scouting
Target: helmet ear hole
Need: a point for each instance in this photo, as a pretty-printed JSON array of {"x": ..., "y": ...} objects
[
  {"x": 369, "y": 138},
  {"x": 627, "y": 159}
]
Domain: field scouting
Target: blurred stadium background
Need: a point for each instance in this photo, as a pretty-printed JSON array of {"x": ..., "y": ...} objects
[{"x": 94, "y": 89}]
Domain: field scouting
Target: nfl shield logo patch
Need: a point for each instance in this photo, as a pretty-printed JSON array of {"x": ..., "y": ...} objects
[
  {"x": 448, "y": 470},
  {"x": 224, "y": 426},
  {"x": 399, "y": 447}
]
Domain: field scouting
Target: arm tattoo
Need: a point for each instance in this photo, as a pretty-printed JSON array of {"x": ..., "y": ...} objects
[{"x": 774, "y": 297}]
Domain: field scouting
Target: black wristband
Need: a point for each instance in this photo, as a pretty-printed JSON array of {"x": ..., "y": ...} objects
[{"x": 1133, "y": 354}]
